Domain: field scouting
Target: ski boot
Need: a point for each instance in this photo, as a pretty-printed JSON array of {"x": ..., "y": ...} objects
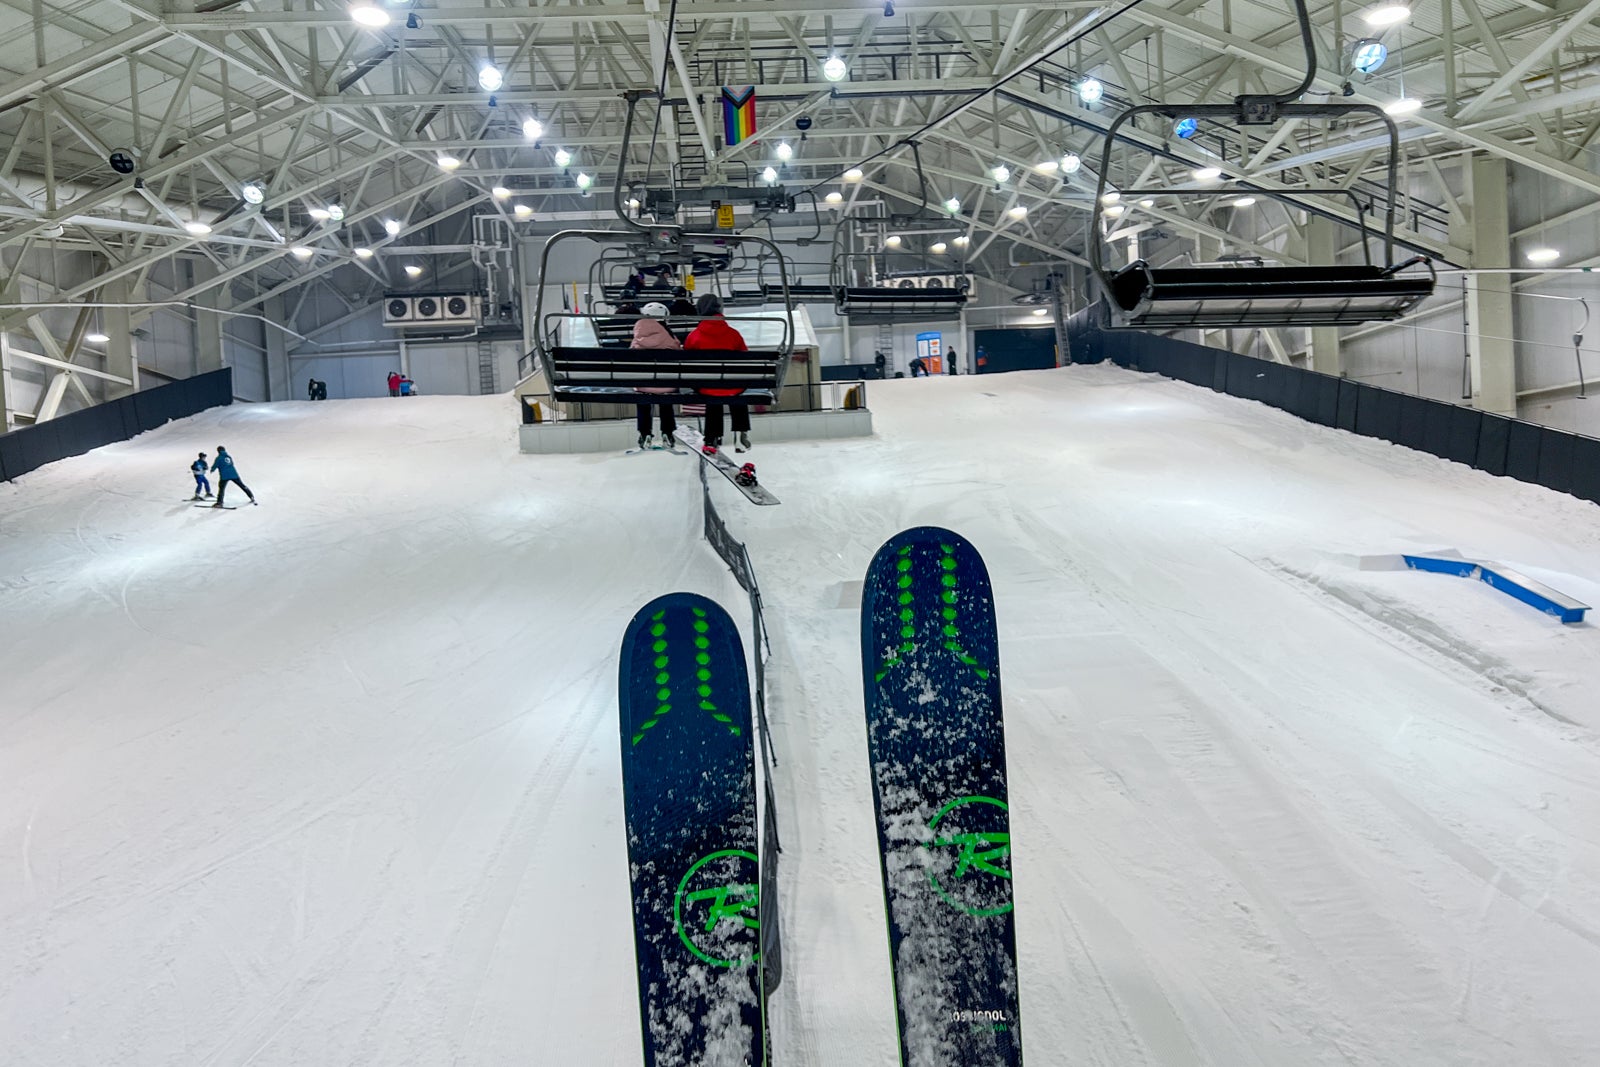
[
  {"x": 195, "y": 497},
  {"x": 670, "y": 440},
  {"x": 741, "y": 442},
  {"x": 746, "y": 475},
  {"x": 644, "y": 441}
]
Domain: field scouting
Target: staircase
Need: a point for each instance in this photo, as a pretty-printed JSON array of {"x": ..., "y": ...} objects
[
  {"x": 486, "y": 361},
  {"x": 691, "y": 153}
]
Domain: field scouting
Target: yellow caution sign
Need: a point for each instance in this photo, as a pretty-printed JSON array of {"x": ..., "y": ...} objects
[
  {"x": 725, "y": 217},
  {"x": 688, "y": 282}
]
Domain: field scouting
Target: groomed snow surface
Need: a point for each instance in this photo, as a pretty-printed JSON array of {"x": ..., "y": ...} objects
[{"x": 335, "y": 780}]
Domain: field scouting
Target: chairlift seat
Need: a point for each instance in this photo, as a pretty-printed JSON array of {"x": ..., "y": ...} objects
[
  {"x": 663, "y": 376},
  {"x": 1250, "y": 296},
  {"x": 883, "y": 304}
]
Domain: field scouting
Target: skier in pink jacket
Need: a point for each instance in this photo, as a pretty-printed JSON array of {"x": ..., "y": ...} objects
[{"x": 651, "y": 332}]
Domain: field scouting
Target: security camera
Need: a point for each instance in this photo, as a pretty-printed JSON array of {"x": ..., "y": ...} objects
[{"x": 123, "y": 160}]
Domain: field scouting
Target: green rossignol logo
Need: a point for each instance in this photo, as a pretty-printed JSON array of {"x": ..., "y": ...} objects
[
  {"x": 664, "y": 667},
  {"x": 949, "y": 630},
  {"x": 978, "y": 880},
  {"x": 722, "y": 887}
]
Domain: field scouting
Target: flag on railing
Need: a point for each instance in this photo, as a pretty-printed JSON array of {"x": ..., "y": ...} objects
[{"x": 738, "y": 114}]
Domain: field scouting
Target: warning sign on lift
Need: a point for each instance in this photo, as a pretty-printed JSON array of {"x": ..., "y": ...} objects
[{"x": 724, "y": 216}]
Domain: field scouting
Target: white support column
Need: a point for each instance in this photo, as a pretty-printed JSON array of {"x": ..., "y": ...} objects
[
  {"x": 207, "y": 324},
  {"x": 1491, "y": 354},
  {"x": 277, "y": 357},
  {"x": 122, "y": 350},
  {"x": 5, "y": 376},
  {"x": 1323, "y": 353}
]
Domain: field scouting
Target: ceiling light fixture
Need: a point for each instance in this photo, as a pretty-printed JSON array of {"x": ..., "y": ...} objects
[
  {"x": 1406, "y": 105},
  {"x": 522, "y": 211},
  {"x": 769, "y": 176},
  {"x": 448, "y": 162},
  {"x": 1368, "y": 54},
  {"x": 1090, "y": 91},
  {"x": 532, "y": 129},
  {"x": 1070, "y": 163},
  {"x": 583, "y": 181},
  {"x": 1543, "y": 255},
  {"x": 1207, "y": 174},
  {"x": 952, "y": 205},
  {"x": 835, "y": 197},
  {"x": 391, "y": 227},
  {"x": 1244, "y": 201},
  {"x": 500, "y": 192},
  {"x": 1147, "y": 202},
  {"x": 490, "y": 79},
  {"x": 563, "y": 158},
  {"x": 1018, "y": 211},
  {"x": 1114, "y": 210},
  {"x": 853, "y": 174},
  {"x": 96, "y": 338},
  {"x": 1041, "y": 312},
  {"x": 893, "y": 240},
  {"x": 1387, "y": 15},
  {"x": 834, "y": 69},
  {"x": 413, "y": 271},
  {"x": 938, "y": 248},
  {"x": 370, "y": 16},
  {"x": 300, "y": 252},
  {"x": 336, "y": 212},
  {"x": 1111, "y": 196},
  {"x": 363, "y": 253},
  {"x": 961, "y": 242},
  {"x": 253, "y": 193},
  {"x": 1049, "y": 166},
  {"x": 321, "y": 214},
  {"x": 198, "y": 228},
  {"x": 1000, "y": 172},
  {"x": 784, "y": 151}
]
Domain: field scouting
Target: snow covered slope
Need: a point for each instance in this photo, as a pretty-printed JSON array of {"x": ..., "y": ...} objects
[{"x": 335, "y": 780}]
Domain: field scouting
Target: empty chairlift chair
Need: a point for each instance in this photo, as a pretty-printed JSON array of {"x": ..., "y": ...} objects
[{"x": 1241, "y": 295}]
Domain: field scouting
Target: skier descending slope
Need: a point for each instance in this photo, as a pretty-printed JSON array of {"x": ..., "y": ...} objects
[
  {"x": 688, "y": 783},
  {"x": 936, "y": 744}
]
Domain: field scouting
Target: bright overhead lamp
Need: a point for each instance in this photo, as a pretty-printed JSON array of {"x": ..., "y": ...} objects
[
  {"x": 413, "y": 271},
  {"x": 769, "y": 176},
  {"x": 1147, "y": 202},
  {"x": 1244, "y": 201},
  {"x": 370, "y": 16},
  {"x": 96, "y": 338},
  {"x": 500, "y": 192},
  {"x": 532, "y": 129},
  {"x": 1041, "y": 312},
  {"x": 784, "y": 151},
  {"x": 1049, "y": 166},
  {"x": 563, "y": 158},
  {"x": 522, "y": 211},
  {"x": 893, "y": 240},
  {"x": 961, "y": 242},
  {"x": 1406, "y": 105},
  {"x": 363, "y": 253},
  {"x": 198, "y": 228},
  {"x": 952, "y": 205},
  {"x": 490, "y": 79},
  {"x": 321, "y": 214},
  {"x": 1368, "y": 54},
  {"x": 447, "y": 162},
  {"x": 300, "y": 252},
  {"x": 1018, "y": 211},
  {"x": 938, "y": 248},
  {"x": 336, "y": 212},
  {"x": 1207, "y": 174},
  {"x": 854, "y": 174},
  {"x": 1114, "y": 210},
  {"x": 583, "y": 181},
  {"x": 834, "y": 69},
  {"x": 1110, "y": 196},
  {"x": 1090, "y": 91},
  {"x": 391, "y": 227},
  {"x": 835, "y": 197},
  {"x": 1000, "y": 172},
  {"x": 1070, "y": 163},
  {"x": 1387, "y": 15},
  {"x": 253, "y": 193},
  {"x": 1543, "y": 255}
]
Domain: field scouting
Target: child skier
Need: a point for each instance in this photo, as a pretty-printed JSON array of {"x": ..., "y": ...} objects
[{"x": 198, "y": 469}]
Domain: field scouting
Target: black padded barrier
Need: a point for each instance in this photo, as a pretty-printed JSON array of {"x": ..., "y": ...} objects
[
  {"x": 1556, "y": 454},
  {"x": 1412, "y": 431},
  {"x": 1522, "y": 451},
  {"x": 1461, "y": 435},
  {"x": 1586, "y": 469},
  {"x": 1494, "y": 438},
  {"x": 75, "y": 433}
]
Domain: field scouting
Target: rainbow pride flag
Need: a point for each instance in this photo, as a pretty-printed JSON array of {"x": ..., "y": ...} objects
[{"x": 738, "y": 114}]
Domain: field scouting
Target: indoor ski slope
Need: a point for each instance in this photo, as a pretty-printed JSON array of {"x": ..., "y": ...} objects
[{"x": 335, "y": 780}]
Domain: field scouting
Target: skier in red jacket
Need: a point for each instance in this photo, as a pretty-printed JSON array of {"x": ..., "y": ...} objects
[{"x": 714, "y": 333}]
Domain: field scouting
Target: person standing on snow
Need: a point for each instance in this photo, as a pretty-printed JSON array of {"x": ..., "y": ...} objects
[
  {"x": 651, "y": 333},
  {"x": 394, "y": 383},
  {"x": 715, "y": 334},
  {"x": 198, "y": 469},
  {"x": 226, "y": 473}
]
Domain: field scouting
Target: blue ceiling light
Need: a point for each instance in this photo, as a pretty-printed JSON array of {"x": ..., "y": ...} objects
[
  {"x": 1186, "y": 128},
  {"x": 1368, "y": 54}
]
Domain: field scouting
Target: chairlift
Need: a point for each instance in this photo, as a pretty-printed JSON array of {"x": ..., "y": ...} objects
[
  {"x": 1249, "y": 294},
  {"x": 582, "y": 369}
]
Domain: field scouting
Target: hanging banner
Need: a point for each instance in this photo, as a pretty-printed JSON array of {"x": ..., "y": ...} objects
[{"x": 738, "y": 114}]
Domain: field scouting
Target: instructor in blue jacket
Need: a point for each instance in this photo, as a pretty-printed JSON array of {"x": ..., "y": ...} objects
[{"x": 223, "y": 466}]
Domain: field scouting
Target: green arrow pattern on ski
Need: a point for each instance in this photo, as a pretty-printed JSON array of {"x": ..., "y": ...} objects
[
  {"x": 950, "y": 631},
  {"x": 663, "y": 679}
]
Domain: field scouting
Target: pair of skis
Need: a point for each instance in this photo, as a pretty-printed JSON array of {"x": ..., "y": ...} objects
[{"x": 936, "y": 746}]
